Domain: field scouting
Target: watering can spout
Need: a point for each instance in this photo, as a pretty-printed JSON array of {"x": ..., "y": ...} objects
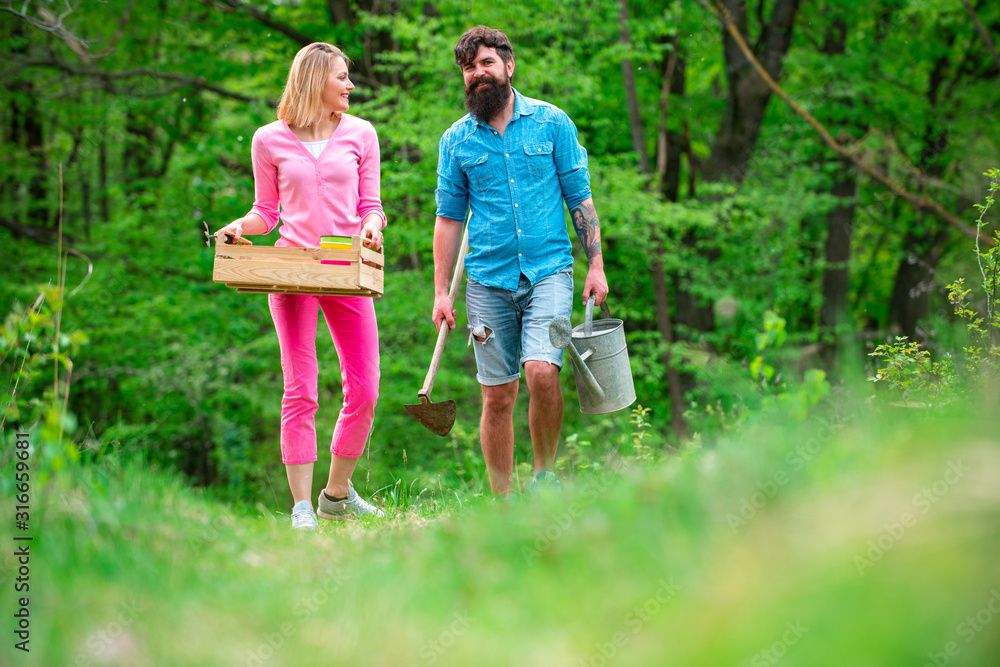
[
  {"x": 600, "y": 360},
  {"x": 561, "y": 336}
]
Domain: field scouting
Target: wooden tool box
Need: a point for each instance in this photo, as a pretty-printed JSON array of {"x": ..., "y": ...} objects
[{"x": 357, "y": 271}]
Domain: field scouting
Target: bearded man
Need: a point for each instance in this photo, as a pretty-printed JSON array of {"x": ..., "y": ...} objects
[{"x": 515, "y": 161}]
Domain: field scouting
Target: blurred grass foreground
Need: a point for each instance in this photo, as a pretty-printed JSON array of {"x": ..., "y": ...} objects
[{"x": 858, "y": 538}]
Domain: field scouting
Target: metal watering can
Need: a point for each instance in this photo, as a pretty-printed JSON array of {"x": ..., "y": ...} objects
[{"x": 600, "y": 360}]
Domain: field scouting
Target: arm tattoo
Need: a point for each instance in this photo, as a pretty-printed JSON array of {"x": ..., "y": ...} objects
[{"x": 588, "y": 228}]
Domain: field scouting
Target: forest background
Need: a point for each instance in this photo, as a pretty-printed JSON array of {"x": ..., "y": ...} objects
[
  {"x": 758, "y": 247},
  {"x": 797, "y": 202}
]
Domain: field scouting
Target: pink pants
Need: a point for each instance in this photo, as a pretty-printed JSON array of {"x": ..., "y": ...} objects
[{"x": 352, "y": 325}]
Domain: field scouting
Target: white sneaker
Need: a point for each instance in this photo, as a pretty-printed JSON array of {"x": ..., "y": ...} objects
[
  {"x": 303, "y": 517},
  {"x": 353, "y": 505}
]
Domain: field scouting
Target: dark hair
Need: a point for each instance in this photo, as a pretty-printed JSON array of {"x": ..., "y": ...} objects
[{"x": 468, "y": 45}]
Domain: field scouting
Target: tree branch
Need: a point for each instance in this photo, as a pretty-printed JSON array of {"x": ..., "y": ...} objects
[
  {"x": 42, "y": 235},
  {"x": 920, "y": 202},
  {"x": 286, "y": 30},
  {"x": 108, "y": 77},
  {"x": 48, "y": 22},
  {"x": 264, "y": 18}
]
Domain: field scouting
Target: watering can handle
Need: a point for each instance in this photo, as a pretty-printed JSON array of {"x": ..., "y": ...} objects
[{"x": 588, "y": 316}]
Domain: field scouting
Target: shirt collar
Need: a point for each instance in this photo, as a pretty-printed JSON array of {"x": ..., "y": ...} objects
[{"x": 522, "y": 106}]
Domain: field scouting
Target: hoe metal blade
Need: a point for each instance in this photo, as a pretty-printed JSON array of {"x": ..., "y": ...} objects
[{"x": 438, "y": 417}]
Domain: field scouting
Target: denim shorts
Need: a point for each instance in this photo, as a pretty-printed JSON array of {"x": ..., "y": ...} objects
[{"x": 515, "y": 325}]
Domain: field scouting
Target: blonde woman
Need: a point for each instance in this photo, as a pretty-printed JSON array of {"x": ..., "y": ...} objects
[{"x": 320, "y": 165}]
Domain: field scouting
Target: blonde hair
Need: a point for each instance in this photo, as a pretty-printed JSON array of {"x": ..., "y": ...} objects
[{"x": 300, "y": 104}]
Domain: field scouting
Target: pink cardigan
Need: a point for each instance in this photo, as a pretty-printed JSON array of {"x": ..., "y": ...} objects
[{"x": 317, "y": 197}]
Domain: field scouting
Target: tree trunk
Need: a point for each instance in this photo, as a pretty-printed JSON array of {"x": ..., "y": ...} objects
[
  {"x": 340, "y": 11},
  {"x": 834, "y": 313},
  {"x": 670, "y": 145},
  {"x": 27, "y": 133},
  {"x": 670, "y": 173},
  {"x": 140, "y": 147},
  {"x": 663, "y": 323},
  {"x": 677, "y": 421},
  {"x": 749, "y": 94},
  {"x": 836, "y": 276},
  {"x": 915, "y": 276},
  {"x": 102, "y": 176},
  {"x": 747, "y": 100},
  {"x": 925, "y": 240},
  {"x": 85, "y": 199},
  {"x": 631, "y": 94}
]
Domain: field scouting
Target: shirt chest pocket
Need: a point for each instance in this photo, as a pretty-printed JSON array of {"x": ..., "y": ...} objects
[
  {"x": 539, "y": 157},
  {"x": 477, "y": 170}
]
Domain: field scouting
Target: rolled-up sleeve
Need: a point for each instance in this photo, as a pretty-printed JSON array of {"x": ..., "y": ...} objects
[
  {"x": 369, "y": 177},
  {"x": 265, "y": 181},
  {"x": 571, "y": 163},
  {"x": 452, "y": 194}
]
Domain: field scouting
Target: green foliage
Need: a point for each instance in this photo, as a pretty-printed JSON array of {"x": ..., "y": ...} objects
[
  {"x": 37, "y": 358},
  {"x": 797, "y": 398},
  {"x": 764, "y": 387},
  {"x": 643, "y": 453},
  {"x": 908, "y": 367},
  {"x": 179, "y": 374},
  {"x": 773, "y": 336},
  {"x": 910, "y": 371},
  {"x": 983, "y": 356},
  {"x": 877, "y": 574}
]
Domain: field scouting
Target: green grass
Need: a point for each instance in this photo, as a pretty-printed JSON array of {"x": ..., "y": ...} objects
[{"x": 632, "y": 566}]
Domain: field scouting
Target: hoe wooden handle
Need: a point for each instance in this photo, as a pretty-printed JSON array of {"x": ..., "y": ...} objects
[{"x": 456, "y": 280}]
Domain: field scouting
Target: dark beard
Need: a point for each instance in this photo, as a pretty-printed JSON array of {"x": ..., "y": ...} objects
[{"x": 486, "y": 104}]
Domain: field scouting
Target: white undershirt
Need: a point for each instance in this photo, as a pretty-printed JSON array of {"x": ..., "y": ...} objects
[{"x": 315, "y": 147}]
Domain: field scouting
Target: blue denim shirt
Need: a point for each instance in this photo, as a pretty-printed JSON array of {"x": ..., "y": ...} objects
[{"x": 516, "y": 184}]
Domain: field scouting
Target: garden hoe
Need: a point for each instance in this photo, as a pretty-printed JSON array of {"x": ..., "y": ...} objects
[{"x": 440, "y": 417}]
